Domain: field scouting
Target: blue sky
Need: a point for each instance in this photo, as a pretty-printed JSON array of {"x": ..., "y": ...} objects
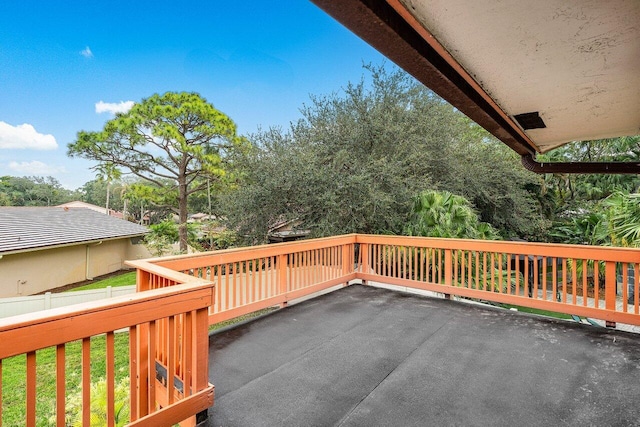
[{"x": 65, "y": 66}]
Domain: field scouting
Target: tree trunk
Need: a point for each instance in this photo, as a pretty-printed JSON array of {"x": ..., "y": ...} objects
[
  {"x": 182, "y": 209},
  {"x": 107, "y": 203}
]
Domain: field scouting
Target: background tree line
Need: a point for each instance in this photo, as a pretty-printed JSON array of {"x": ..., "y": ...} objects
[
  {"x": 383, "y": 155},
  {"x": 357, "y": 161}
]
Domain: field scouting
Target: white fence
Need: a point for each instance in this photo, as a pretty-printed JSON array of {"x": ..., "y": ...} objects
[{"x": 22, "y": 305}]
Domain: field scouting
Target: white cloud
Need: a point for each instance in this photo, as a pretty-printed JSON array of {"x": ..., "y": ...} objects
[
  {"x": 113, "y": 108},
  {"x": 86, "y": 52},
  {"x": 35, "y": 167},
  {"x": 25, "y": 136}
]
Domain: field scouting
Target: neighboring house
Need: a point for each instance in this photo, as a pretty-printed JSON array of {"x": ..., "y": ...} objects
[
  {"x": 43, "y": 248},
  {"x": 200, "y": 217},
  {"x": 286, "y": 231},
  {"x": 79, "y": 204}
]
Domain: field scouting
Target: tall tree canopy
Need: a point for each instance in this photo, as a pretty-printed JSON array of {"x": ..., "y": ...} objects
[
  {"x": 357, "y": 159},
  {"x": 176, "y": 138},
  {"x": 33, "y": 191}
]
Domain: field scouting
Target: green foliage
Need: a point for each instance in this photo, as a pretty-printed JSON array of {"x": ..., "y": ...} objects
[
  {"x": 566, "y": 192},
  {"x": 623, "y": 219},
  {"x": 442, "y": 214},
  {"x": 166, "y": 228},
  {"x": 225, "y": 239},
  {"x": 215, "y": 237},
  {"x": 99, "y": 404},
  {"x": 357, "y": 159},
  {"x": 491, "y": 177},
  {"x": 175, "y": 138},
  {"x": 581, "y": 228},
  {"x": 161, "y": 237},
  {"x": 158, "y": 246},
  {"x": 613, "y": 221},
  {"x": 593, "y": 209},
  {"x": 33, "y": 191},
  {"x": 166, "y": 233},
  {"x": 95, "y": 192}
]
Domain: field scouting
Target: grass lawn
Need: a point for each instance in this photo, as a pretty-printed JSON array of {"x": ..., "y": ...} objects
[
  {"x": 14, "y": 378},
  {"x": 125, "y": 279},
  {"x": 14, "y": 375},
  {"x": 14, "y": 368},
  {"x": 537, "y": 311}
]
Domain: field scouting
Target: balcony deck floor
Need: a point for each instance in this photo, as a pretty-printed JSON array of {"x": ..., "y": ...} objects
[{"x": 364, "y": 356}]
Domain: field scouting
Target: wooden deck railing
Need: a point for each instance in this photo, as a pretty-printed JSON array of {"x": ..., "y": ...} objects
[
  {"x": 171, "y": 322},
  {"x": 167, "y": 320},
  {"x": 589, "y": 281},
  {"x": 250, "y": 279}
]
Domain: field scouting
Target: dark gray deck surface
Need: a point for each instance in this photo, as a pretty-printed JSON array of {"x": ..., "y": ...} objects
[{"x": 364, "y": 356}]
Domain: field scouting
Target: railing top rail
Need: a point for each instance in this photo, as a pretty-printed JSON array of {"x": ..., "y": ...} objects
[
  {"x": 34, "y": 331},
  {"x": 167, "y": 266},
  {"x": 164, "y": 271},
  {"x": 601, "y": 253},
  {"x": 253, "y": 252}
]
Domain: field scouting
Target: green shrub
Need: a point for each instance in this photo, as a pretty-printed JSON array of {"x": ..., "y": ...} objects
[{"x": 99, "y": 404}]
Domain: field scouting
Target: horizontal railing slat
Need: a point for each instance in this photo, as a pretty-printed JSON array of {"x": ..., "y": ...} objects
[
  {"x": 48, "y": 331},
  {"x": 178, "y": 411}
]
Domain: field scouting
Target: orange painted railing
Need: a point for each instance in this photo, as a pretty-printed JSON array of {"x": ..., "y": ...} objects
[
  {"x": 172, "y": 321},
  {"x": 180, "y": 296},
  {"x": 250, "y": 279},
  {"x": 589, "y": 281}
]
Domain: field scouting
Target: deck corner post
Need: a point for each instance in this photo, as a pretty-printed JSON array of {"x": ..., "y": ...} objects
[
  {"x": 282, "y": 278},
  {"x": 347, "y": 260},
  {"x": 364, "y": 256}
]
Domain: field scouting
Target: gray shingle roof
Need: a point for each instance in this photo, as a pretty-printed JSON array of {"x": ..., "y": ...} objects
[{"x": 24, "y": 228}]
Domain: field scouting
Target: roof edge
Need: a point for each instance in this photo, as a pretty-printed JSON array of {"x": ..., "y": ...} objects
[
  {"x": 628, "y": 168},
  {"x": 64, "y": 245},
  {"x": 392, "y": 30}
]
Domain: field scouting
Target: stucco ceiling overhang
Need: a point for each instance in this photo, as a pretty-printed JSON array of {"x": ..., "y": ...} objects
[{"x": 571, "y": 67}]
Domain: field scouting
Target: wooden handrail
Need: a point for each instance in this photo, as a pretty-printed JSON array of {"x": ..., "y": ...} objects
[
  {"x": 180, "y": 296},
  {"x": 183, "y": 262},
  {"x": 31, "y": 332},
  {"x": 183, "y": 305},
  {"x": 536, "y": 275},
  {"x": 603, "y": 253}
]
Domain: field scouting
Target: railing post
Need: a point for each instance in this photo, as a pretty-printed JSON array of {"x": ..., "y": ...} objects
[
  {"x": 364, "y": 257},
  {"x": 142, "y": 280},
  {"x": 610, "y": 290},
  {"x": 448, "y": 271},
  {"x": 282, "y": 278},
  {"x": 347, "y": 260}
]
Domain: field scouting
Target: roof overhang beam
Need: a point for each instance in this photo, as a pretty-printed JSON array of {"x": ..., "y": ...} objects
[{"x": 391, "y": 29}]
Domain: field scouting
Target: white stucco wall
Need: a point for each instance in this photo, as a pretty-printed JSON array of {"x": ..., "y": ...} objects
[{"x": 38, "y": 271}]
